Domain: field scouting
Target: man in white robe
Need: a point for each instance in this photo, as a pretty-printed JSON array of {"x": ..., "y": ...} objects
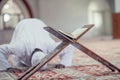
[{"x": 28, "y": 36}]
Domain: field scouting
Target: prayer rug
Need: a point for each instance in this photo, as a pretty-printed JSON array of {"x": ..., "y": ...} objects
[
  {"x": 83, "y": 67},
  {"x": 71, "y": 73}
]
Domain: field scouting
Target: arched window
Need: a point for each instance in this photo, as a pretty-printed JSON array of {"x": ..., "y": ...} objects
[
  {"x": 100, "y": 15},
  {"x": 10, "y": 15}
]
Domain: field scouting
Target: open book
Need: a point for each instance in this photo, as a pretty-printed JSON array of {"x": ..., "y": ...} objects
[{"x": 77, "y": 32}]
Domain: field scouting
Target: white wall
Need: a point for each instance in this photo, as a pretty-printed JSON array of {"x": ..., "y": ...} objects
[
  {"x": 34, "y": 6},
  {"x": 64, "y": 14},
  {"x": 117, "y": 5},
  {"x": 61, "y": 14}
]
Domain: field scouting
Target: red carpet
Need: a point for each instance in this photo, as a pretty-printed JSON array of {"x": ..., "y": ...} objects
[
  {"x": 74, "y": 72},
  {"x": 84, "y": 67}
]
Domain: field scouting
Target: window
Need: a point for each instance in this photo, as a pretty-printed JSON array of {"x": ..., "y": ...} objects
[
  {"x": 100, "y": 16},
  {"x": 10, "y": 15}
]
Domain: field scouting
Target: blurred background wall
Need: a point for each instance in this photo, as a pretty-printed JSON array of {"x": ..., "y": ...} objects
[{"x": 61, "y": 14}]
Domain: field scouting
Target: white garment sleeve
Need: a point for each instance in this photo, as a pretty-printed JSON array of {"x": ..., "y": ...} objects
[
  {"x": 65, "y": 55},
  {"x": 4, "y": 53},
  {"x": 17, "y": 48}
]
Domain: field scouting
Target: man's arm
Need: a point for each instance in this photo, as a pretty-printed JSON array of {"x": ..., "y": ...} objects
[
  {"x": 4, "y": 53},
  {"x": 66, "y": 56}
]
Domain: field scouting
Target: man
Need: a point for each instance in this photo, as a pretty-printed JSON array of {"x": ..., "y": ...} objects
[{"x": 30, "y": 43}]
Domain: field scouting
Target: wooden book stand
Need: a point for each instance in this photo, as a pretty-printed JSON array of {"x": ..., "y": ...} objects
[{"x": 66, "y": 40}]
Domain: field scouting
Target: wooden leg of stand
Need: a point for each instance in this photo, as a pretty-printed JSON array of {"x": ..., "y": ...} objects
[
  {"x": 95, "y": 56},
  {"x": 32, "y": 70}
]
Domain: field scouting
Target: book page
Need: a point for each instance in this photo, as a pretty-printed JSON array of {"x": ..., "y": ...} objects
[
  {"x": 75, "y": 33},
  {"x": 66, "y": 33},
  {"x": 78, "y": 31}
]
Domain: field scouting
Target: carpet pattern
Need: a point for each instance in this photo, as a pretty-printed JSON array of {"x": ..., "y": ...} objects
[
  {"x": 84, "y": 67},
  {"x": 75, "y": 72}
]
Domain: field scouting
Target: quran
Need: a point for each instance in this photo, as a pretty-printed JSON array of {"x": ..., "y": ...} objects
[{"x": 75, "y": 33}]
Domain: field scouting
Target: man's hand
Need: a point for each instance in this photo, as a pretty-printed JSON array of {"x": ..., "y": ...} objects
[{"x": 59, "y": 66}]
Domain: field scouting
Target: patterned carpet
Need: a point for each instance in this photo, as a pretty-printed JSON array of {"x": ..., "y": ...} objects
[
  {"x": 84, "y": 67},
  {"x": 74, "y": 72}
]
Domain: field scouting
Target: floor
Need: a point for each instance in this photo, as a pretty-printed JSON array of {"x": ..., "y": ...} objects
[{"x": 84, "y": 67}]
